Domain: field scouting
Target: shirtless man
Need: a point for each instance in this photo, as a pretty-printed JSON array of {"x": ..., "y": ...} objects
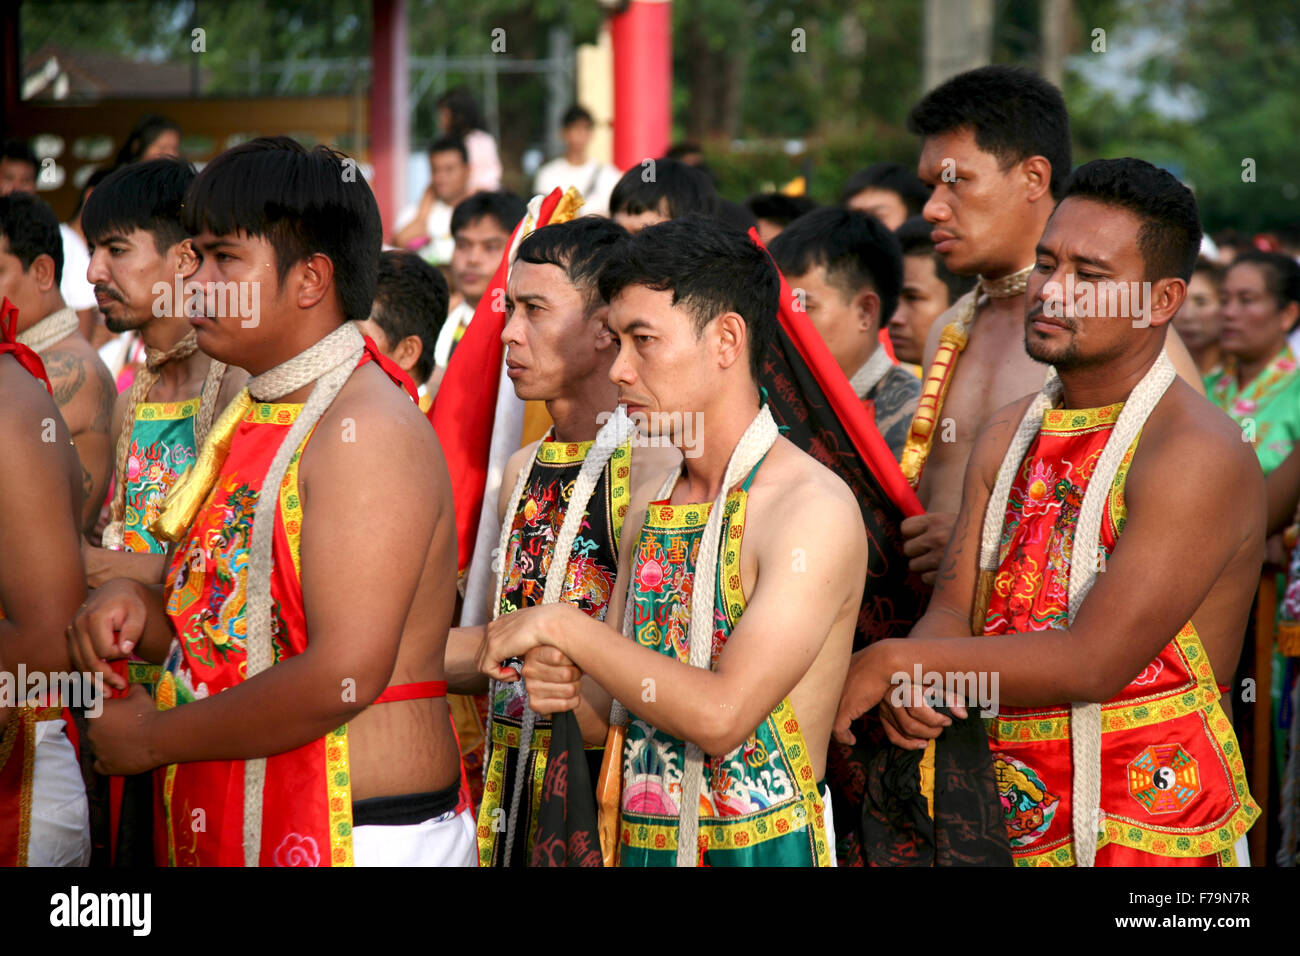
[
  {"x": 273, "y": 602},
  {"x": 41, "y": 583},
  {"x": 1100, "y": 618},
  {"x": 753, "y": 681},
  {"x": 996, "y": 151},
  {"x": 558, "y": 350},
  {"x": 31, "y": 267},
  {"x": 137, "y": 248}
]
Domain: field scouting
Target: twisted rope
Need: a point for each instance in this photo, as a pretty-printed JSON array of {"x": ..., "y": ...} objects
[
  {"x": 329, "y": 363},
  {"x": 1085, "y": 718},
  {"x": 612, "y": 434},
  {"x": 55, "y": 327}
]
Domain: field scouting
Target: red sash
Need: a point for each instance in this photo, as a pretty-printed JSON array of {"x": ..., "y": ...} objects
[{"x": 9, "y": 345}]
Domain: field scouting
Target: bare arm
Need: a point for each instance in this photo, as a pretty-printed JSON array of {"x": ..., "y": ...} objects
[
  {"x": 1119, "y": 628},
  {"x": 780, "y": 635},
  {"x": 353, "y": 636},
  {"x": 41, "y": 580}
]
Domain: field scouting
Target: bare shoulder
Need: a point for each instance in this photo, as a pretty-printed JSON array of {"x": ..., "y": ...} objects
[
  {"x": 32, "y": 431},
  {"x": 373, "y": 416},
  {"x": 802, "y": 492},
  {"x": 82, "y": 382},
  {"x": 994, "y": 439},
  {"x": 1189, "y": 436}
]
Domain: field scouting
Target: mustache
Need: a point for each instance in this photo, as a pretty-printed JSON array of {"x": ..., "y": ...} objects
[
  {"x": 101, "y": 289},
  {"x": 1037, "y": 313}
]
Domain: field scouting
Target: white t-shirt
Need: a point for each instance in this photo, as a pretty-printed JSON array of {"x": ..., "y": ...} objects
[
  {"x": 441, "y": 244},
  {"x": 594, "y": 180},
  {"x": 78, "y": 294}
]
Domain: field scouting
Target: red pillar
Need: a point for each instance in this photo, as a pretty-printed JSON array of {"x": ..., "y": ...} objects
[
  {"x": 643, "y": 81},
  {"x": 389, "y": 130}
]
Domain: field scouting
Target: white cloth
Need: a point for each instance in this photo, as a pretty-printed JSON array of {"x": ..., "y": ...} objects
[
  {"x": 829, "y": 818},
  {"x": 593, "y": 179},
  {"x": 1243, "y": 852},
  {"x": 78, "y": 294},
  {"x": 447, "y": 334},
  {"x": 60, "y": 824},
  {"x": 484, "y": 163},
  {"x": 447, "y": 840},
  {"x": 437, "y": 227}
]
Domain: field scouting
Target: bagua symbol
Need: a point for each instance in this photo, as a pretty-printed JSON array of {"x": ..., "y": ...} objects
[{"x": 229, "y": 299}]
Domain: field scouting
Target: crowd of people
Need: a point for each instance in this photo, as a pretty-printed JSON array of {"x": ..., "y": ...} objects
[{"x": 614, "y": 605}]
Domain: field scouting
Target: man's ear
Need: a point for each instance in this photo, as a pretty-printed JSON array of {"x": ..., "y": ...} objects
[
  {"x": 604, "y": 337},
  {"x": 866, "y": 311},
  {"x": 314, "y": 276},
  {"x": 42, "y": 270},
  {"x": 733, "y": 339},
  {"x": 407, "y": 353},
  {"x": 1037, "y": 173},
  {"x": 1166, "y": 298},
  {"x": 186, "y": 260}
]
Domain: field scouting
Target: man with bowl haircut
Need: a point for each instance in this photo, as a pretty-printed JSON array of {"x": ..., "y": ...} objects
[
  {"x": 739, "y": 584},
  {"x": 298, "y": 596}
]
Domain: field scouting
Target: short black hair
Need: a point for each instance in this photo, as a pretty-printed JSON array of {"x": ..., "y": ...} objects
[
  {"x": 580, "y": 247},
  {"x": 148, "y": 196},
  {"x": 1013, "y": 112},
  {"x": 1281, "y": 274},
  {"x": 147, "y": 129},
  {"x": 19, "y": 150},
  {"x": 92, "y": 181},
  {"x": 576, "y": 114},
  {"x": 686, "y": 189},
  {"x": 914, "y": 236},
  {"x": 303, "y": 202},
  {"x": 1170, "y": 236},
  {"x": 506, "y": 208},
  {"x": 778, "y": 207},
  {"x": 1210, "y": 269},
  {"x": 410, "y": 299},
  {"x": 856, "y": 249},
  {"x": 29, "y": 225},
  {"x": 710, "y": 269},
  {"x": 891, "y": 177},
  {"x": 449, "y": 144}
]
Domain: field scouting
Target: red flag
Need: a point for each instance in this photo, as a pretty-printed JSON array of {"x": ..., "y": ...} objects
[{"x": 465, "y": 406}]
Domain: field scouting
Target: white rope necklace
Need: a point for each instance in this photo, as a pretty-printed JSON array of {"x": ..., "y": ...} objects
[
  {"x": 1085, "y": 718},
  {"x": 612, "y": 434},
  {"x": 55, "y": 327},
  {"x": 757, "y": 439}
]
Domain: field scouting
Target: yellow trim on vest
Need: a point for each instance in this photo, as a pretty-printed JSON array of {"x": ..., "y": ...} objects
[{"x": 166, "y": 411}]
